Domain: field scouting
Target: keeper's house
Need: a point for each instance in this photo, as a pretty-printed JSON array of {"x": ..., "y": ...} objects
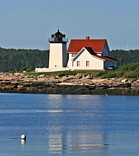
[{"x": 90, "y": 54}]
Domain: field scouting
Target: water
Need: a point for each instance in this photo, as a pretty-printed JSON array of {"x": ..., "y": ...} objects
[{"x": 69, "y": 125}]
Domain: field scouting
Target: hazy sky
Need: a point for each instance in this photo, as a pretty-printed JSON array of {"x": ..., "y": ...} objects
[{"x": 29, "y": 23}]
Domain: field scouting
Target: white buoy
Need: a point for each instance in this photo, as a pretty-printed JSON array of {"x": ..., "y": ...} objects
[{"x": 23, "y": 137}]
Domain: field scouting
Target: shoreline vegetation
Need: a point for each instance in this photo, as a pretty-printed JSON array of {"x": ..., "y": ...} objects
[{"x": 122, "y": 81}]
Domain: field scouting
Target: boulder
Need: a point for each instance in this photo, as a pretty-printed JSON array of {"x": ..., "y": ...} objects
[
  {"x": 79, "y": 76},
  {"x": 124, "y": 80}
]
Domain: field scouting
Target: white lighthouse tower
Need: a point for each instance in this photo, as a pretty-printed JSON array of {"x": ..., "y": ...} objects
[{"x": 58, "y": 51}]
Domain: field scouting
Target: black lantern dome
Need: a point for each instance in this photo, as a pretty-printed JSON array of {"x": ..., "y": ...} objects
[{"x": 58, "y": 37}]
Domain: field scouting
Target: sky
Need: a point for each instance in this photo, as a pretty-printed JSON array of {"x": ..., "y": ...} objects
[{"x": 29, "y": 23}]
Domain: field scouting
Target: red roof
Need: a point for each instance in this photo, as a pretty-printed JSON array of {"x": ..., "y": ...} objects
[
  {"x": 106, "y": 58},
  {"x": 90, "y": 50},
  {"x": 77, "y": 44}
]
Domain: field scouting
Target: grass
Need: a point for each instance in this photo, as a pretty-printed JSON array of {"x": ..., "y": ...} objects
[
  {"x": 63, "y": 73},
  {"x": 128, "y": 71}
]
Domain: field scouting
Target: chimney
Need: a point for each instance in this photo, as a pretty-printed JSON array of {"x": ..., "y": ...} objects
[{"x": 87, "y": 37}]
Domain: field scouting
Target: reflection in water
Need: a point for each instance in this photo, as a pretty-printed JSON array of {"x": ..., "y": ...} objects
[
  {"x": 85, "y": 141},
  {"x": 74, "y": 127},
  {"x": 66, "y": 142},
  {"x": 23, "y": 142},
  {"x": 55, "y": 143}
]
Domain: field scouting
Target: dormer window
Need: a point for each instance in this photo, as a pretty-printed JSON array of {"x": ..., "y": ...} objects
[{"x": 73, "y": 54}]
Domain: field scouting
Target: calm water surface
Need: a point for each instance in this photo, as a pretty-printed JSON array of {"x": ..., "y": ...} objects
[{"x": 69, "y": 125}]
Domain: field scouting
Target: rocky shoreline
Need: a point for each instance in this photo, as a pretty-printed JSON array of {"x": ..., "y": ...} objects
[{"x": 77, "y": 84}]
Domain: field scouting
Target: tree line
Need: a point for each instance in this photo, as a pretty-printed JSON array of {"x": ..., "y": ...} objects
[
  {"x": 125, "y": 57},
  {"x": 27, "y": 59},
  {"x": 22, "y": 59}
]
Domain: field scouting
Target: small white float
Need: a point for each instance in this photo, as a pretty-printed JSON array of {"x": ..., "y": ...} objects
[{"x": 23, "y": 137}]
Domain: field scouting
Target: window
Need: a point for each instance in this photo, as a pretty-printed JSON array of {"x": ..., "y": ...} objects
[
  {"x": 78, "y": 63},
  {"x": 73, "y": 54},
  {"x": 87, "y": 63}
]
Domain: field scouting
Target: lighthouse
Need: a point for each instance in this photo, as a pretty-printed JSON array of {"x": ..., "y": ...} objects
[{"x": 58, "y": 51}]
